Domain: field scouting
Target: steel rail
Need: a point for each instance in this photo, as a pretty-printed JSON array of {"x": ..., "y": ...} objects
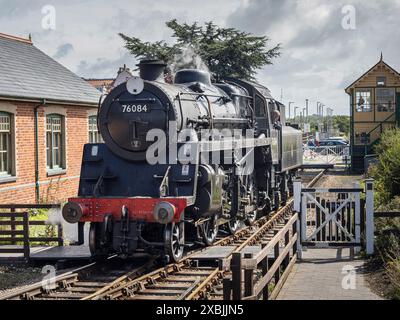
[
  {"x": 160, "y": 283},
  {"x": 73, "y": 284},
  {"x": 199, "y": 292},
  {"x": 131, "y": 283}
]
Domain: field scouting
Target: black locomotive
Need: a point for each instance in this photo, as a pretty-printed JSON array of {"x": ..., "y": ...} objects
[{"x": 179, "y": 161}]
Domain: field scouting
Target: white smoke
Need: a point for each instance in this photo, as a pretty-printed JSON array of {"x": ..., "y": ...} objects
[
  {"x": 188, "y": 59},
  {"x": 54, "y": 216},
  {"x": 70, "y": 230}
]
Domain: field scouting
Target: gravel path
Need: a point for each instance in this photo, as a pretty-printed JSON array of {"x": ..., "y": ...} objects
[
  {"x": 339, "y": 180},
  {"x": 14, "y": 275}
]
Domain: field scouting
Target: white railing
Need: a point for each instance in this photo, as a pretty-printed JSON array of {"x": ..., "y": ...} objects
[{"x": 326, "y": 154}]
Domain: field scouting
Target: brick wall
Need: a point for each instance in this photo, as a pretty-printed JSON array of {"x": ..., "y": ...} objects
[{"x": 52, "y": 188}]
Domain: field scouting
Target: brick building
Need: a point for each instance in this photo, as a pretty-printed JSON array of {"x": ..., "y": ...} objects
[
  {"x": 103, "y": 85},
  {"x": 47, "y": 114},
  {"x": 107, "y": 84}
]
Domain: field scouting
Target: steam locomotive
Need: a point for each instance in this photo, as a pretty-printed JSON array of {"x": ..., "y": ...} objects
[{"x": 182, "y": 160}]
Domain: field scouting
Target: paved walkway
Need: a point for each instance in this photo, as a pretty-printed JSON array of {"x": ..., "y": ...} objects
[{"x": 327, "y": 274}]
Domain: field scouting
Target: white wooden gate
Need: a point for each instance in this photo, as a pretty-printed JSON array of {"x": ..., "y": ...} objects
[
  {"x": 335, "y": 217},
  {"x": 326, "y": 154}
]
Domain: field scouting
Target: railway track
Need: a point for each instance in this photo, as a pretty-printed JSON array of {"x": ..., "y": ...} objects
[
  {"x": 78, "y": 283},
  {"x": 186, "y": 280},
  {"x": 189, "y": 281}
]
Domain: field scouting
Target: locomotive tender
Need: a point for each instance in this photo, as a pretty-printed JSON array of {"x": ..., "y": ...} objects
[{"x": 140, "y": 192}]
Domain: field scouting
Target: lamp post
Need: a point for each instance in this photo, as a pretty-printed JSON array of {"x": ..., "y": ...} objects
[
  {"x": 295, "y": 109},
  {"x": 290, "y": 103},
  {"x": 301, "y": 118},
  {"x": 330, "y": 120},
  {"x": 322, "y": 117},
  {"x": 306, "y": 110}
]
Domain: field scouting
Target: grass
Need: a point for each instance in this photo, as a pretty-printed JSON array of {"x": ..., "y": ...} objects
[
  {"x": 45, "y": 231},
  {"x": 51, "y": 195}
]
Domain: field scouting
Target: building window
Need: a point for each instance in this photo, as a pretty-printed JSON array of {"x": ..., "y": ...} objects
[
  {"x": 94, "y": 134},
  {"x": 55, "y": 141},
  {"x": 385, "y": 99},
  {"x": 363, "y": 101},
  {"x": 380, "y": 81},
  {"x": 5, "y": 144}
]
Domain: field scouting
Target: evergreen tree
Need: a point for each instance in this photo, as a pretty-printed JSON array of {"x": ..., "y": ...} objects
[{"x": 225, "y": 51}]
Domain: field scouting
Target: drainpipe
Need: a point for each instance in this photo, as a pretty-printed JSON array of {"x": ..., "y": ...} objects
[{"x": 37, "y": 186}]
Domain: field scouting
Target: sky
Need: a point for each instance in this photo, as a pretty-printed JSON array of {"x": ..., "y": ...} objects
[{"x": 326, "y": 44}]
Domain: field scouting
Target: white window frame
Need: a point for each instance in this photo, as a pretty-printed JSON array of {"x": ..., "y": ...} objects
[
  {"x": 94, "y": 135},
  {"x": 367, "y": 106},
  {"x": 51, "y": 128},
  {"x": 6, "y": 144},
  {"x": 11, "y": 174}
]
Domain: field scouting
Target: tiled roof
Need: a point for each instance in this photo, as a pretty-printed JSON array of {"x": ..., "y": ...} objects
[
  {"x": 27, "y": 72},
  {"x": 98, "y": 83},
  {"x": 380, "y": 62}
]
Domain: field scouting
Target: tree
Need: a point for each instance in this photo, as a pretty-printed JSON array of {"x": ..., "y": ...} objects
[
  {"x": 339, "y": 122},
  {"x": 225, "y": 51},
  {"x": 387, "y": 171},
  {"x": 342, "y": 123}
]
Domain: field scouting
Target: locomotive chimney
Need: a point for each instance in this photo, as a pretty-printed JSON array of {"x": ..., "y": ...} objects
[{"x": 152, "y": 69}]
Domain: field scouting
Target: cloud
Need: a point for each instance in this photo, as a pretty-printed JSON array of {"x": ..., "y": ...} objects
[
  {"x": 319, "y": 58},
  {"x": 63, "y": 50},
  {"x": 105, "y": 68}
]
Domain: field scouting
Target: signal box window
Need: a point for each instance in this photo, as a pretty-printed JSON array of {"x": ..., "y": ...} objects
[
  {"x": 385, "y": 99},
  {"x": 363, "y": 101},
  {"x": 55, "y": 142}
]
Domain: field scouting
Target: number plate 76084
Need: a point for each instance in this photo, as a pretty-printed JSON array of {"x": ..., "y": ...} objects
[{"x": 135, "y": 108}]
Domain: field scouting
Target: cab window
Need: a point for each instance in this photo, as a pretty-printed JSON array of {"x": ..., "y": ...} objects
[
  {"x": 272, "y": 107},
  {"x": 260, "y": 107}
]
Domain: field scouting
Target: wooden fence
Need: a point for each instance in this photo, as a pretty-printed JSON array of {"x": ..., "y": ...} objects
[
  {"x": 19, "y": 226},
  {"x": 253, "y": 274}
]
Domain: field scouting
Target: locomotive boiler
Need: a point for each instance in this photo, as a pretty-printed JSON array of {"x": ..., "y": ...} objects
[{"x": 182, "y": 160}]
